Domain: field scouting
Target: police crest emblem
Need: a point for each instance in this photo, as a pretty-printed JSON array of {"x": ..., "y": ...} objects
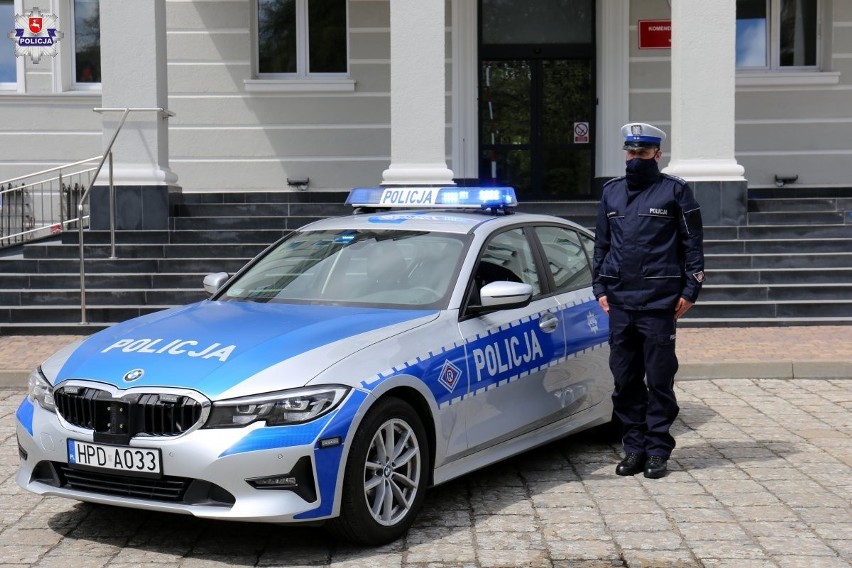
[
  {"x": 36, "y": 35},
  {"x": 592, "y": 322}
]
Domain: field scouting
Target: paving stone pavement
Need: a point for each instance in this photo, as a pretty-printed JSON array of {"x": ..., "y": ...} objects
[
  {"x": 704, "y": 353},
  {"x": 762, "y": 476}
]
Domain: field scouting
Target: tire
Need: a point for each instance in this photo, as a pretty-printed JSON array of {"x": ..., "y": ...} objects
[{"x": 382, "y": 494}]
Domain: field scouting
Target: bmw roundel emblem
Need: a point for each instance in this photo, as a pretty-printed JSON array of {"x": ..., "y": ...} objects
[{"x": 133, "y": 375}]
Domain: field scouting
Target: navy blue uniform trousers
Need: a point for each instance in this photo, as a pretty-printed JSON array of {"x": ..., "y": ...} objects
[{"x": 642, "y": 344}]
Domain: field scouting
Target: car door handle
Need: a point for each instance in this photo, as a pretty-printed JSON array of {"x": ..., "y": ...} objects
[{"x": 548, "y": 323}]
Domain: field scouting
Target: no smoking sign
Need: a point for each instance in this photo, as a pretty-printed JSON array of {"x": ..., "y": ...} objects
[{"x": 581, "y": 133}]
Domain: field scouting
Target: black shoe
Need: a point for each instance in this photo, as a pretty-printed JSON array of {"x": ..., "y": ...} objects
[
  {"x": 631, "y": 464},
  {"x": 655, "y": 467}
]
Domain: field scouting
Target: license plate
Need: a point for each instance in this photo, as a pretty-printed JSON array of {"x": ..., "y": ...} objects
[{"x": 115, "y": 458}]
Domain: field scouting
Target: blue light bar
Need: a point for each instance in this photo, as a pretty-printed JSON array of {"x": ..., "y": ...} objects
[{"x": 433, "y": 197}]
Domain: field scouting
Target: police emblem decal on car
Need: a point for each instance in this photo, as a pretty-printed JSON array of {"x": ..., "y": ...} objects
[
  {"x": 450, "y": 375},
  {"x": 133, "y": 375},
  {"x": 592, "y": 320}
]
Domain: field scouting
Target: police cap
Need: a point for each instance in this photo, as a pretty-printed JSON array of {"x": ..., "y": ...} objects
[{"x": 641, "y": 135}]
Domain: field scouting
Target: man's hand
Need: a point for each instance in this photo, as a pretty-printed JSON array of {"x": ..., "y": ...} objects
[
  {"x": 604, "y": 303},
  {"x": 682, "y": 307}
]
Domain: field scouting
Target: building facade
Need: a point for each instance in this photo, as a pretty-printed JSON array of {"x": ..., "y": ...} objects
[{"x": 331, "y": 94}]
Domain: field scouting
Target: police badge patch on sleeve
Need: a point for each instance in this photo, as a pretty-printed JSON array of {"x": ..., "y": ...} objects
[{"x": 699, "y": 276}]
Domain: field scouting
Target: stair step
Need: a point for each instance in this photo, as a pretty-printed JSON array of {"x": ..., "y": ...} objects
[
  {"x": 240, "y": 223},
  {"x": 52, "y": 328},
  {"x": 779, "y": 276},
  {"x": 132, "y": 265},
  {"x": 71, "y": 314},
  {"x": 770, "y": 309},
  {"x": 108, "y": 281},
  {"x": 798, "y": 218},
  {"x": 121, "y": 237},
  {"x": 262, "y": 209},
  {"x": 798, "y": 231},
  {"x": 798, "y": 192},
  {"x": 94, "y": 297},
  {"x": 243, "y": 236},
  {"x": 560, "y": 208},
  {"x": 774, "y": 292},
  {"x": 259, "y": 197},
  {"x": 190, "y": 251},
  {"x": 251, "y": 236},
  {"x": 693, "y": 322},
  {"x": 779, "y": 260},
  {"x": 779, "y": 246},
  {"x": 800, "y": 205}
]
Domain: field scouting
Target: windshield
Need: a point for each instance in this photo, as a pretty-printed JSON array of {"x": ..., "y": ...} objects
[{"x": 375, "y": 268}]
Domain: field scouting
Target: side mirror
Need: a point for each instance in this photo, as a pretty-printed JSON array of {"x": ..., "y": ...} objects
[
  {"x": 213, "y": 282},
  {"x": 503, "y": 295}
]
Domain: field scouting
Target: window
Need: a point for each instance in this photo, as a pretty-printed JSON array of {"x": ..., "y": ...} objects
[
  {"x": 777, "y": 34},
  {"x": 301, "y": 38},
  {"x": 8, "y": 63},
  {"x": 566, "y": 258},
  {"x": 87, "y": 43},
  {"x": 507, "y": 257}
]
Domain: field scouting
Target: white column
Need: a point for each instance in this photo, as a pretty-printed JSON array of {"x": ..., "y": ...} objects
[
  {"x": 465, "y": 144},
  {"x": 134, "y": 74},
  {"x": 613, "y": 85},
  {"x": 418, "y": 94},
  {"x": 703, "y": 91}
]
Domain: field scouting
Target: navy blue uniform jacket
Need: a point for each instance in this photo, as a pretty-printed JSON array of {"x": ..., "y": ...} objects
[{"x": 648, "y": 245}]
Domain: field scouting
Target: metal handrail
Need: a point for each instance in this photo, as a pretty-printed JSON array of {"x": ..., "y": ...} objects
[
  {"x": 47, "y": 171},
  {"x": 107, "y": 155},
  {"x": 48, "y": 215}
]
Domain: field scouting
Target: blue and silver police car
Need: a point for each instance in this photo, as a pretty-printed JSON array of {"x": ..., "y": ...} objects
[{"x": 338, "y": 375}]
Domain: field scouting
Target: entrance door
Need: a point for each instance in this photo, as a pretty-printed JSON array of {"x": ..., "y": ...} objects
[{"x": 537, "y": 96}]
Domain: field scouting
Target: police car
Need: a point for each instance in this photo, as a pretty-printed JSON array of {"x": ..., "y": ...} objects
[{"x": 338, "y": 375}]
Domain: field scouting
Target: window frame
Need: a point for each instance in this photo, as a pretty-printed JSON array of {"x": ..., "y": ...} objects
[
  {"x": 554, "y": 288},
  {"x": 65, "y": 64},
  {"x": 18, "y": 85},
  {"x": 545, "y": 283},
  {"x": 74, "y": 85},
  {"x": 302, "y": 49},
  {"x": 773, "y": 44}
]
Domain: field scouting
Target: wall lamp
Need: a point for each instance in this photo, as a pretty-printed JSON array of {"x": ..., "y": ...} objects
[
  {"x": 301, "y": 183},
  {"x": 781, "y": 181}
]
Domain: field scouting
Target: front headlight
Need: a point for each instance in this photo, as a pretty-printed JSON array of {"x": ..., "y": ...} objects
[
  {"x": 277, "y": 408},
  {"x": 41, "y": 391}
]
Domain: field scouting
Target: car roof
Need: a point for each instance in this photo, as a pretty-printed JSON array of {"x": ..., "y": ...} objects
[{"x": 432, "y": 220}]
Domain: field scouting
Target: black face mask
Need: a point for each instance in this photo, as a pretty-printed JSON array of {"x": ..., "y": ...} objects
[{"x": 642, "y": 173}]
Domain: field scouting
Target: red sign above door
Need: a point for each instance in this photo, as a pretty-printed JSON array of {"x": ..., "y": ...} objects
[{"x": 655, "y": 34}]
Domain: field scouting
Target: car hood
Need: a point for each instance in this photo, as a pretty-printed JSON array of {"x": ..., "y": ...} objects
[{"x": 214, "y": 347}]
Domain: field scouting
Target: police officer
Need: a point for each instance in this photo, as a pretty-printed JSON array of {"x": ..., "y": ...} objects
[{"x": 649, "y": 268}]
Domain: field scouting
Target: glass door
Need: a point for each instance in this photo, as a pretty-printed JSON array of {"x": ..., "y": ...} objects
[{"x": 537, "y": 97}]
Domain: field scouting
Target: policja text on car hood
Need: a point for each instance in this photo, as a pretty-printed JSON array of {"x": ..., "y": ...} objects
[{"x": 219, "y": 347}]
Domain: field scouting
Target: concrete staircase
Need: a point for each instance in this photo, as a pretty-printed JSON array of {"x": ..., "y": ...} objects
[
  {"x": 216, "y": 232},
  {"x": 790, "y": 265}
]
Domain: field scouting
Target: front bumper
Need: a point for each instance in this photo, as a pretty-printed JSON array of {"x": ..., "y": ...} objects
[{"x": 206, "y": 473}]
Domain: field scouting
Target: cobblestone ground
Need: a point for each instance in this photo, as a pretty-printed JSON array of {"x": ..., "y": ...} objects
[{"x": 762, "y": 476}]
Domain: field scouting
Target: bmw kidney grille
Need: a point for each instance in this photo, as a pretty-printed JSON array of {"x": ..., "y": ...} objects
[{"x": 152, "y": 414}]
